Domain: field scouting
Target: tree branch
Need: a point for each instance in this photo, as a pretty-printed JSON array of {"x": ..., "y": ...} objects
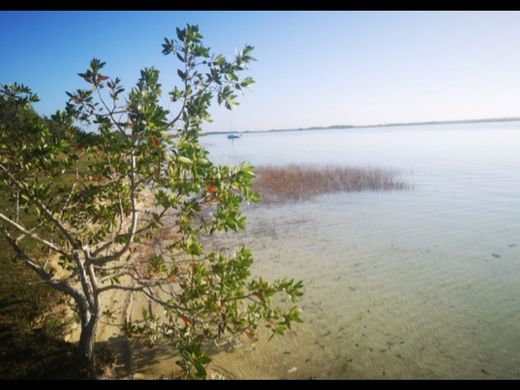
[
  {"x": 133, "y": 226},
  {"x": 117, "y": 287},
  {"x": 32, "y": 230},
  {"x": 137, "y": 232},
  {"x": 185, "y": 92},
  {"x": 33, "y": 235},
  {"x": 62, "y": 286},
  {"x": 110, "y": 113},
  {"x": 43, "y": 208}
]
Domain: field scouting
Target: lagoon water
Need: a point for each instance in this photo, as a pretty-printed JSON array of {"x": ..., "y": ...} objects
[{"x": 423, "y": 283}]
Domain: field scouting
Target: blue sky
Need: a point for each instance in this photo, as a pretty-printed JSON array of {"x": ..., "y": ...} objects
[{"x": 314, "y": 68}]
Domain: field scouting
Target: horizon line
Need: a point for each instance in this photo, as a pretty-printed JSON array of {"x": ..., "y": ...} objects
[{"x": 392, "y": 124}]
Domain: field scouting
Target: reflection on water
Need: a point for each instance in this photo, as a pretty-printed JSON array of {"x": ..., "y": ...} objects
[{"x": 406, "y": 284}]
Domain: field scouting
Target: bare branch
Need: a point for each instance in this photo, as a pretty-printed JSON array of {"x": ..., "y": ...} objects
[
  {"x": 133, "y": 225},
  {"x": 67, "y": 201},
  {"x": 61, "y": 285},
  {"x": 107, "y": 244},
  {"x": 33, "y": 235},
  {"x": 148, "y": 293},
  {"x": 111, "y": 115},
  {"x": 23, "y": 235},
  {"x": 117, "y": 287},
  {"x": 43, "y": 208},
  {"x": 104, "y": 279},
  {"x": 185, "y": 96}
]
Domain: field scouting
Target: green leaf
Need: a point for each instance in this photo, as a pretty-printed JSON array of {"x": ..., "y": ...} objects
[
  {"x": 85, "y": 179},
  {"x": 184, "y": 160}
]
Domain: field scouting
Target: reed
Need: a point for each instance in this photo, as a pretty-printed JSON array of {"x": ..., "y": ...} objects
[{"x": 277, "y": 184}]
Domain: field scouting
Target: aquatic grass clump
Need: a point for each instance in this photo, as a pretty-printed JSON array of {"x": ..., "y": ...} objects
[{"x": 277, "y": 184}]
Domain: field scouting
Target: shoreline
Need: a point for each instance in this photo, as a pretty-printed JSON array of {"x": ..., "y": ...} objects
[{"x": 348, "y": 127}]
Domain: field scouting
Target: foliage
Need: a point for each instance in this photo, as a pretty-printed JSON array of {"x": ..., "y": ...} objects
[
  {"x": 31, "y": 329},
  {"x": 92, "y": 223}
]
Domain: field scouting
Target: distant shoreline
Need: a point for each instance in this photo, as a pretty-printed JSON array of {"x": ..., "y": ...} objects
[{"x": 366, "y": 126}]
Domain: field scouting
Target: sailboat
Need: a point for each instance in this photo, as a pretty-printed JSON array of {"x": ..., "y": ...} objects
[{"x": 233, "y": 134}]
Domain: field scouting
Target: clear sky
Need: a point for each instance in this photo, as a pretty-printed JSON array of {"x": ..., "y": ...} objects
[{"x": 313, "y": 69}]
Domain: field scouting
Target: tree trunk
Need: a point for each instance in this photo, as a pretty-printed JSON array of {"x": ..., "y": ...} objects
[{"x": 86, "y": 345}]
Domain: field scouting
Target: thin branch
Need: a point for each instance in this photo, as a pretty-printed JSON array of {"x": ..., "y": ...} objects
[
  {"x": 117, "y": 287},
  {"x": 114, "y": 268},
  {"x": 133, "y": 226},
  {"x": 105, "y": 245},
  {"x": 67, "y": 201},
  {"x": 121, "y": 213},
  {"x": 33, "y": 235},
  {"x": 185, "y": 92},
  {"x": 104, "y": 279},
  {"x": 172, "y": 122},
  {"x": 33, "y": 229},
  {"x": 149, "y": 295},
  {"x": 61, "y": 285},
  {"x": 110, "y": 113},
  {"x": 17, "y": 206},
  {"x": 43, "y": 208}
]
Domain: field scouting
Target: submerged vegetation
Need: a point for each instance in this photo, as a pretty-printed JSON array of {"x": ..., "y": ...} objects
[{"x": 277, "y": 184}]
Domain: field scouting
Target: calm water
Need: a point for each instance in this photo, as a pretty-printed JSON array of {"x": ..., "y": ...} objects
[{"x": 406, "y": 284}]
